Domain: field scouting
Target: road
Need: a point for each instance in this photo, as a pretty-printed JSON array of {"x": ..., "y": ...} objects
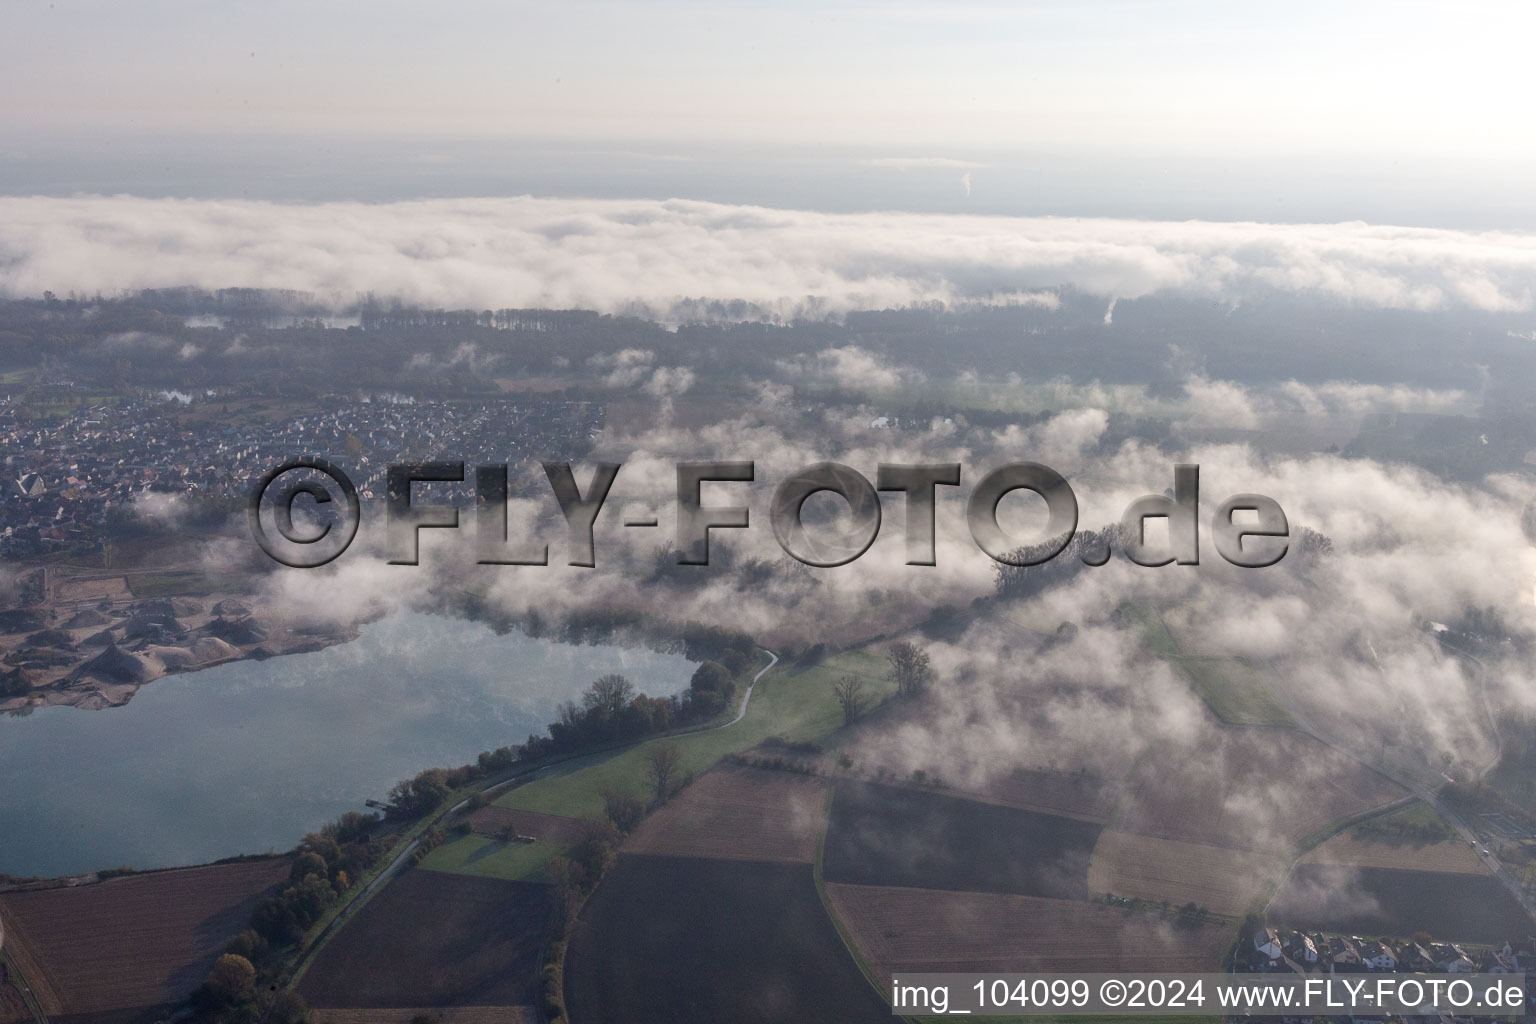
[{"x": 750, "y": 687}]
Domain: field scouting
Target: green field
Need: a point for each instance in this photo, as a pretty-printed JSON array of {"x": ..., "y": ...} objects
[
  {"x": 492, "y": 858},
  {"x": 1233, "y": 688},
  {"x": 1417, "y": 823},
  {"x": 791, "y": 703},
  {"x": 796, "y": 704}
]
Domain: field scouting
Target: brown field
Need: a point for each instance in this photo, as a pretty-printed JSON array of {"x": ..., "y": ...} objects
[
  {"x": 685, "y": 940},
  {"x": 1222, "y": 880},
  {"x": 1451, "y": 856},
  {"x": 134, "y": 942},
  {"x": 444, "y": 1015},
  {"x": 434, "y": 939},
  {"x": 1070, "y": 794},
  {"x": 1249, "y": 788},
  {"x": 929, "y": 930},
  {"x": 553, "y": 828},
  {"x": 738, "y": 813}
]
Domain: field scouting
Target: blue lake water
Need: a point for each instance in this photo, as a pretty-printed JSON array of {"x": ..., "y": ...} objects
[{"x": 247, "y": 757}]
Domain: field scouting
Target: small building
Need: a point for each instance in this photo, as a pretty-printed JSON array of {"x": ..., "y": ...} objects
[
  {"x": 1302, "y": 949},
  {"x": 1451, "y": 958},
  {"x": 1378, "y": 957},
  {"x": 1266, "y": 942}
]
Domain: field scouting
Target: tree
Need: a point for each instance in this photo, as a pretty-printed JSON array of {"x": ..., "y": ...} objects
[
  {"x": 249, "y": 945},
  {"x": 231, "y": 980},
  {"x": 709, "y": 688},
  {"x": 909, "y": 667},
  {"x": 415, "y": 797},
  {"x": 622, "y": 809},
  {"x": 288, "y": 1007},
  {"x": 309, "y": 863},
  {"x": 608, "y": 695},
  {"x": 850, "y": 697},
  {"x": 710, "y": 677},
  {"x": 663, "y": 761}
]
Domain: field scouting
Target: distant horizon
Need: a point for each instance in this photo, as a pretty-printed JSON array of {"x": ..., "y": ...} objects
[{"x": 847, "y": 178}]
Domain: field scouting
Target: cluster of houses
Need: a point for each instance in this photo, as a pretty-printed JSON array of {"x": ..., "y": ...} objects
[
  {"x": 1285, "y": 950},
  {"x": 61, "y": 480}
]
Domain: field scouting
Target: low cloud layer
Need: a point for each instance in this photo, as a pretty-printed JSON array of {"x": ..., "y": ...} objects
[{"x": 659, "y": 256}]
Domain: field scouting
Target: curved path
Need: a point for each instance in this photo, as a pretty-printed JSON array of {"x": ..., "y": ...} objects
[{"x": 748, "y": 695}]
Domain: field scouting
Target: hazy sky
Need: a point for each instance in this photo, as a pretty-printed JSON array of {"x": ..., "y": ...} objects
[{"x": 1415, "y": 78}]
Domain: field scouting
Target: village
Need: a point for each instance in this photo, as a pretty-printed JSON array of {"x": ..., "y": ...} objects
[
  {"x": 1273, "y": 950},
  {"x": 67, "y": 481}
]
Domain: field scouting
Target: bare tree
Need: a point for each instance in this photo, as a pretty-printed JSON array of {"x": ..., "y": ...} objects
[
  {"x": 850, "y": 697},
  {"x": 910, "y": 667},
  {"x": 610, "y": 694},
  {"x": 664, "y": 761}
]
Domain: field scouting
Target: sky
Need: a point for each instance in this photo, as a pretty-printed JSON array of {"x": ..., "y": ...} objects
[
  {"x": 1413, "y": 78},
  {"x": 1412, "y": 113}
]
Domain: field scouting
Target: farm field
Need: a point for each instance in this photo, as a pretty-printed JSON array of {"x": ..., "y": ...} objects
[
  {"x": 550, "y": 828},
  {"x": 1234, "y": 690},
  {"x": 1074, "y": 794},
  {"x": 1221, "y": 880},
  {"x": 429, "y": 939},
  {"x": 884, "y": 835},
  {"x": 1247, "y": 788},
  {"x": 793, "y": 703},
  {"x": 488, "y": 857},
  {"x": 738, "y": 813},
  {"x": 901, "y": 929},
  {"x": 1451, "y": 856},
  {"x": 487, "y": 854},
  {"x": 1394, "y": 902},
  {"x": 675, "y": 940},
  {"x": 135, "y": 943}
]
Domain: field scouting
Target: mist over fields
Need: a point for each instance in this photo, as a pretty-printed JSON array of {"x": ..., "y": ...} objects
[{"x": 538, "y": 333}]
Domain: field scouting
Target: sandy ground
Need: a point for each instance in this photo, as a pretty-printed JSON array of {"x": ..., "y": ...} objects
[{"x": 66, "y": 684}]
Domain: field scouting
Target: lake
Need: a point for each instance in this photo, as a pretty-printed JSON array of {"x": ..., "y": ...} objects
[{"x": 247, "y": 757}]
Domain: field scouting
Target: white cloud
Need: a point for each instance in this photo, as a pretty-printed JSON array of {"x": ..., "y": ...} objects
[
  {"x": 660, "y": 256},
  {"x": 851, "y": 367}
]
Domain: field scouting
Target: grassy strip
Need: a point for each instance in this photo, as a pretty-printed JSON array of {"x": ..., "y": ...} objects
[
  {"x": 13, "y": 972},
  {"x": 1315, "y": 839},
  {"x": 795, "y": 704},
  {"x": 486, "y": 857}
]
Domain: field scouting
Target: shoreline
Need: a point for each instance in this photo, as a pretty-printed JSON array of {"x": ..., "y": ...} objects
[{"x": 97, "y": 656}]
